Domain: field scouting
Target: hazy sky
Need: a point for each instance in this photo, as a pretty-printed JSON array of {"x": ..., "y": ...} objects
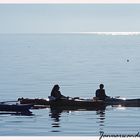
[{"x": 46, "y": 18}]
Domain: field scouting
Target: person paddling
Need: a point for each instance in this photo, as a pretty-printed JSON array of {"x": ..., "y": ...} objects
[
  {"x": 56, "y": 94},
  {"x": 100, "y": 93}
]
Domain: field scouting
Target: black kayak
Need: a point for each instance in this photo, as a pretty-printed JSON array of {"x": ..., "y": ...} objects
[
  {"x": 64, "y": 103},
  {"x": 84, "y": 103},
  {"x": 77, "y": 104},
  {"x": 15, "y": 107},
  {"x": 123, "y": 102}
]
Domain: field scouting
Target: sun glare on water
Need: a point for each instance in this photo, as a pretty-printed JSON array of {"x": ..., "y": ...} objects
[{"x": 108, "y": 33}]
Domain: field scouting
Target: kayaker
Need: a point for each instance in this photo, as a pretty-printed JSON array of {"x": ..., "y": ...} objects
[
  {"x": 56, "y": 94},
  {"x": 100, "y": 93}
]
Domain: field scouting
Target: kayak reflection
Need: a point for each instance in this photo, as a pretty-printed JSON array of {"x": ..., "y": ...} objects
[
  {"x": 101, "y": 120},
  {"x": 55, "y": 113}
]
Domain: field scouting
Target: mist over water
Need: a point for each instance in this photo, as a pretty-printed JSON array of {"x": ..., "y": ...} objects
[{"x": 32, "y": 63}]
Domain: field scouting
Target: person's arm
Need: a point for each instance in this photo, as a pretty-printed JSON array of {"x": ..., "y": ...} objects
[
  {"x": 106, "y": 95},
  {"x": 96, "y": 93},
  {"x": 62, "y": 96}
]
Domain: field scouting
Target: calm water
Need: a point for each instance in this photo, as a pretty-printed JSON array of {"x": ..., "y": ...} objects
[{"x": 31, "y": 64}]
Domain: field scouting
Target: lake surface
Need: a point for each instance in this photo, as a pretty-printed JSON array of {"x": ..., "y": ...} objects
[{"x": 30, "y": 64}]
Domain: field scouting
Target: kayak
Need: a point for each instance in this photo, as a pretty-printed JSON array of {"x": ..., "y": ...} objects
[
  {"x": 65, "y": 103},
  {"x": 77, "y": 104},
  {"x": 82, "y": 103},
  {"x": 123, "y": 102},
  {"x": 15, "y": 107},
  {"x": 33, "y": 101}
]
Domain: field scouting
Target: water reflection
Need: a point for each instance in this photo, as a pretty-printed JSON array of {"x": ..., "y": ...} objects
[
  {"x": 101, "y": 114},
  {"x": 55, "y": 115}
]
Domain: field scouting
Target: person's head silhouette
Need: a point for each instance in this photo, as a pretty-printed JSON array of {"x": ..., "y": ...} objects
[
  {"x": 56, "y": 87},
  {"x": 101, "y": 86}
]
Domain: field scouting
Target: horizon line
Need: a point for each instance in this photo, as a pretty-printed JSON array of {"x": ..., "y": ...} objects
[
  {"x": 69, "y": 1},
  {"x": 94, "y": 33}
]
